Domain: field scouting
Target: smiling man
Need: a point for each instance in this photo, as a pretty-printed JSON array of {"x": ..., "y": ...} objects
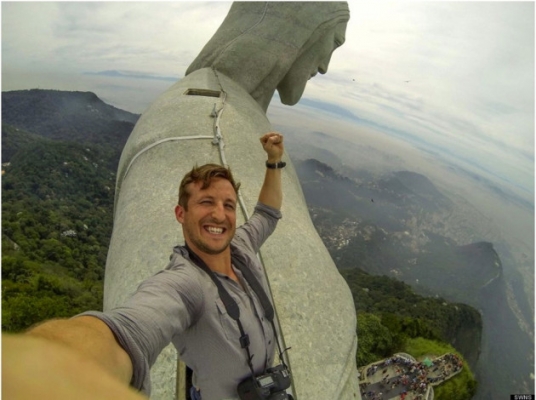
[
  {"x": 207, "y": 212},
  {"x": 180, "y": 304}
]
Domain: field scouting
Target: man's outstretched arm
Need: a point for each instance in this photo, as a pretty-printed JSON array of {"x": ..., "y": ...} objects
[
  {"x": 66, "y": 359},
  {"x": 271, "y": 193}
]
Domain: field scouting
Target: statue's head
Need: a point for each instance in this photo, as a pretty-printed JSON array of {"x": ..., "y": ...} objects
[{"x": 265, "y": 46}]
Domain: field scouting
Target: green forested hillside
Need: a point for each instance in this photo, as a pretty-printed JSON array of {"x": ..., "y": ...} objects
[
  {"x": 59, "y": 156},
  {"x": 57, "y": 201},
  {"x": 392, "y": 307}
]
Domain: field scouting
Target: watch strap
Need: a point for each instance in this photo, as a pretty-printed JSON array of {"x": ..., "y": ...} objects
[{"x": 278, "y": 165}]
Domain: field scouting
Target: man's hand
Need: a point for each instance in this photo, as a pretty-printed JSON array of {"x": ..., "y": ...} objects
[
  {"x": 90, "y": 337},
  {"x": 38, "y": 368},
  {"x": 271, "y": 193},
  {"x": 272, "y": 143}
]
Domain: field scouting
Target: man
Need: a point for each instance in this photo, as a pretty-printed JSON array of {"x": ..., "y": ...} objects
[{"x": 93, "y": 352}]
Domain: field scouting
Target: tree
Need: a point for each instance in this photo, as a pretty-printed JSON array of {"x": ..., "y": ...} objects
[{"x": 375, "y": 340}]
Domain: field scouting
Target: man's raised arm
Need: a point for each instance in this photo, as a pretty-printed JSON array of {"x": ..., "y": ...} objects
[
  {"x": 271, "y": 193},
  {"x": 76, "y": 358}
]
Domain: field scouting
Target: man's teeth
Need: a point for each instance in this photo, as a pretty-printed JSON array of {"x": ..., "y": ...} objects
[{"x": 215, "y": 230}]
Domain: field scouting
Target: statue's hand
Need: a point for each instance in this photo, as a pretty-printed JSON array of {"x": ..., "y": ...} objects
[{"x": 272, "y": 143}]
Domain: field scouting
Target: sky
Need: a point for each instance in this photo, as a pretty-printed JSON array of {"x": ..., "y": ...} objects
[{"x": 452, "y": 79}]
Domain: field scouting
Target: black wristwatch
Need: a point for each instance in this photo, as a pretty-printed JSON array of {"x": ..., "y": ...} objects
[{"x": 279, "y": 165}]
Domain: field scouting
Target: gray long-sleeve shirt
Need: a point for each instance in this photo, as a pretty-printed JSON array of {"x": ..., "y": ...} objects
[{"x": 180, "y": 304}]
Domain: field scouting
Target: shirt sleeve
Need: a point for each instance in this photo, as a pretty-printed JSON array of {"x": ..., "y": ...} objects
[
  {"x": 163, "y": 306},
  {"x": 259, "y": 227}
]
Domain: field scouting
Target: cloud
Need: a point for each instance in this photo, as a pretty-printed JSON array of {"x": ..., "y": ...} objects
[
  {"x": 154, "y": 37},
  {"x": 133, "y": 74}
]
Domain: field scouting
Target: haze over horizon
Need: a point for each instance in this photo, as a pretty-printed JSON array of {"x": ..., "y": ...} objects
[{"x": 442, "y": 88}]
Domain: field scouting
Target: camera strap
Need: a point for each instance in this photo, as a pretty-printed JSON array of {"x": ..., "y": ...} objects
[
  {"x": 254, "y": 283},
  {"x": 230, "y": 304}
]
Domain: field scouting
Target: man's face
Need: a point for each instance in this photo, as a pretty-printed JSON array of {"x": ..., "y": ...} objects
[
  {"x": 314, "y": 59},
  {"x": 209, "y": 224}
]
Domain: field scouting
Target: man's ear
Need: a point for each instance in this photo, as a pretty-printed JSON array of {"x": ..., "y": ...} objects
[{"x": 179, "y": 213}]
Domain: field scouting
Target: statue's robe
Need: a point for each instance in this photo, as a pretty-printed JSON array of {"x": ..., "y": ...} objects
[{"x": 314, "y": 305}]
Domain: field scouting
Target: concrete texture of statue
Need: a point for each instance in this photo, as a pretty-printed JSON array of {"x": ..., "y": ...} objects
[
  {"x": 269, "y": 46},
  {"x": 216, "y": 114}
]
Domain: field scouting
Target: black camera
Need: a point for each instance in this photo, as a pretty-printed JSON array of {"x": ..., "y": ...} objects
[{"x": 270, "y": 386}]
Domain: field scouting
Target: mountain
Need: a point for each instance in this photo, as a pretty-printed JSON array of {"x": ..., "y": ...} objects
[
  {"x": 400, "y": 225},
  {"x": 74, "y": 116},
  {"x": 60, "y": 151}
]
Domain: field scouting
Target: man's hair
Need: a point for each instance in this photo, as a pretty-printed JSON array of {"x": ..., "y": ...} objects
[{"x": 205, "y": 174}]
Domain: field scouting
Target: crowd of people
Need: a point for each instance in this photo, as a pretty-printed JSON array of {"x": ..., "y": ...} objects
[
  {"x": 407, "y": 376},
  {"x": 445, "y": 366}
]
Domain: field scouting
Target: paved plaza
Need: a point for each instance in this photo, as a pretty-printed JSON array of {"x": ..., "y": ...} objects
[{"x": 402, "y": 377}]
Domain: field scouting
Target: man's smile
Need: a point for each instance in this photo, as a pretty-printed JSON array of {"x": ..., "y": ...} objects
[{"x": 214, "y": 229}]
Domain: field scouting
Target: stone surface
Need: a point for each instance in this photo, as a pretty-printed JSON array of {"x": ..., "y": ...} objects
[
  {"x": 267, "y": 45},
  {"x": 313, "y": 302}
]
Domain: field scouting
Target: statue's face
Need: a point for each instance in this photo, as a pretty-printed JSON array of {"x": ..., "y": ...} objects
[{"x": 314, "y": 59}]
